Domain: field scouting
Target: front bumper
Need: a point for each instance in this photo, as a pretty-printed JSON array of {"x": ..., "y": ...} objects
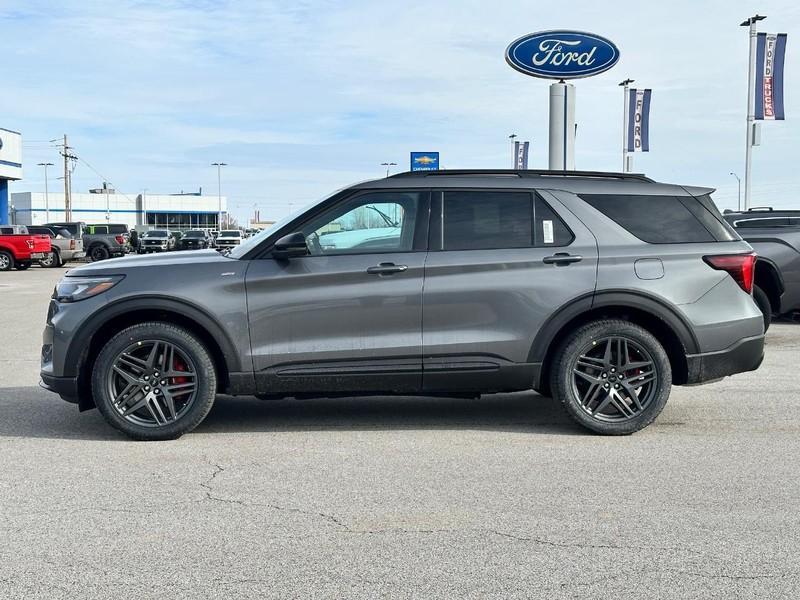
[
  {"x": 66, "y": 387},
  {"x": 745, "y": 355}
]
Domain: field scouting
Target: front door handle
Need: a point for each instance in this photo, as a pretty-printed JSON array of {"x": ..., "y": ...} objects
[
  {"x": 562, "y": 258},
  {"x": 386, "y": 269}
]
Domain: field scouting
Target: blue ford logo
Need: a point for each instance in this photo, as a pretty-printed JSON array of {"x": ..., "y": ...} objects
[{"x": 562, "y": 54}]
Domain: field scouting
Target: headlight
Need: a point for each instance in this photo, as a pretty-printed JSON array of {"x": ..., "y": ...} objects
[{"x": 73, "y": 289}]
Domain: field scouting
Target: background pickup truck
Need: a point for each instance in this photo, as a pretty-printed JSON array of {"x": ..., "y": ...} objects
[
  {"x": 775, "y": 236},
  {"x": 105, "y": 241},
  {"x": 63, "y": 245},
  {"x": 19, "y": 249}
]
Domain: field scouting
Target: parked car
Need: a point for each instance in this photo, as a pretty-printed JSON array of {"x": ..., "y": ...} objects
[
  {"x": 228, "y": 238},
  {"x": 195, "y": 239},
  {"x": 19, "y": 249},
  {"x": 775, "y": 236},
  {"x": 63, "y": 246},
  {"x": 156, "y": 240},
  {"x": 601, "y": 289}
]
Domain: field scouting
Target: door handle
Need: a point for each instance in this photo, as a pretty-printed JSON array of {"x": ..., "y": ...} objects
[
  {"x": 561, "y": 259},
  {"x": 386, "y": 269}
]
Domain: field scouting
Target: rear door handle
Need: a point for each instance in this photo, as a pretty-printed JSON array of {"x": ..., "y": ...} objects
[
  {"x": 562, "y": 258},
  {"x": 386, "y": 269}
]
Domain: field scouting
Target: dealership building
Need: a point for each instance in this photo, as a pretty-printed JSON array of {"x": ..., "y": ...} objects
[{"x": 142, "y": 211}]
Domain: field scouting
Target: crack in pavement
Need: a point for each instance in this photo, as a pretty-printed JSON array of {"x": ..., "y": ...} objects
[{"x": 586, "y": 546}]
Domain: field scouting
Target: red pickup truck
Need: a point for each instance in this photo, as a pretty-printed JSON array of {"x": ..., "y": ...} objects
[{"x": 21, "y": 249}]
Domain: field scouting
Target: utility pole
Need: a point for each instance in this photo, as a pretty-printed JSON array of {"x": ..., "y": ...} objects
[
  {"x": 626, "y": 163},
  {"x": 46, "y": 192},
  {"x": 67, "y": 183},
  {"x": 751, "y": 105},
  {"x": 219, "y": 166}
]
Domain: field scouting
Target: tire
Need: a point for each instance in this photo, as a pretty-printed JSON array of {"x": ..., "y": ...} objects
[
  {"x": 53, "y": 260},
  {"x": 24, "y": 266},
  {"x": 136, "y": 343},
  {"x": 98, "y": 253},
  {"x": 6, "y": 261},
  {"x": 584, "y": 396},
  {"x": 762, "y": 300}
]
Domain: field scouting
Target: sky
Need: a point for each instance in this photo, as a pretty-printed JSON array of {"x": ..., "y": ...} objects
[{"x": 302, "y": 98}]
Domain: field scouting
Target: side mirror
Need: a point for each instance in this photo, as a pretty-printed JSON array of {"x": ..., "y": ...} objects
[{"x": 291, "y": 246}]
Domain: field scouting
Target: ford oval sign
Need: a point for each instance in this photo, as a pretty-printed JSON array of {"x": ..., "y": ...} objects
[{"x": 561, "y": 54}]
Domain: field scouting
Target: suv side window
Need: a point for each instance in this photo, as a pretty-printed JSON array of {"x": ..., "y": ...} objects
[
  {"x": 483, "y": 220},
  {"x": 369, "y": 223},
  {"x": 550, "y": 230},
  {"x": 661, "y": 219}
]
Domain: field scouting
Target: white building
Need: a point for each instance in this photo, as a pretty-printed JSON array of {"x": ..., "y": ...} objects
[{"x": 144, "y": 211}]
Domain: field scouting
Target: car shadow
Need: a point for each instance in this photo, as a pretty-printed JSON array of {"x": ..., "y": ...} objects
[{"x": 30, "y": 412}]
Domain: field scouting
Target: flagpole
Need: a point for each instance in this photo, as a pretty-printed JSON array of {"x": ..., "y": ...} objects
[
  {"x": 625, "y": 125},
  {"x": 751, "y": 108}
]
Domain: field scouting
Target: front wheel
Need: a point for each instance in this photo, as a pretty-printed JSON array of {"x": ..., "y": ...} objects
[
  {"x": 612, "y": 377},
  {"x": 154, "y": 381}
]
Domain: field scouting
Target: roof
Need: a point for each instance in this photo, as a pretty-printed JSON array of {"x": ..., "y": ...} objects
[{"x": 597, "y": 182}]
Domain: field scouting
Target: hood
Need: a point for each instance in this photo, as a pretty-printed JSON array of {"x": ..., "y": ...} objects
[{"x": 119, "y": 266}]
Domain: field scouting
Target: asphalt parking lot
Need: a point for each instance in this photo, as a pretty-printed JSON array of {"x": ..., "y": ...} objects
[{"x": 398, "y": 497}]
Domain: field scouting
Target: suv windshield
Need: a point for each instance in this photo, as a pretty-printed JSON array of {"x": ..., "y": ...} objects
[
  {"x": 156, "y": 233},
  {"x": 231, "y": 233},
  {"x": 194, "y": 234}
]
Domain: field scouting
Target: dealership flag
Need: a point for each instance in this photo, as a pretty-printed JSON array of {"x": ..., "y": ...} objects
[
  {"x": 521, "y": 155},
  {"x": 770, "y": 51},
  {"x": 638, "y": 120}
]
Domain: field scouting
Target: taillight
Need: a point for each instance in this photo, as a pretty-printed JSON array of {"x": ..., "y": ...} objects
[
  {"x": 72, "y": 244},
  {"x": 739, "y": 266},
  {"x": 120, "y": 240},
  {"x": 30, "y": 244}
]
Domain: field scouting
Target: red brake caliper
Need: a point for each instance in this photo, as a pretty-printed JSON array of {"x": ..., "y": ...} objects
[{"x": 178, "y": 365}]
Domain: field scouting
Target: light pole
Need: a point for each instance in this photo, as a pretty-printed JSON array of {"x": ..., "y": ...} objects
[
  {"x": 388, "y": 165},
  {"x": 739, "y": 200},
  {"x": 46, "y": 191},
  {"x": 512, "y": 137},
  {"x": 626, "y": 163},
  {"x": 219, "y": 166},
  {"x": 751, "y": 105}
]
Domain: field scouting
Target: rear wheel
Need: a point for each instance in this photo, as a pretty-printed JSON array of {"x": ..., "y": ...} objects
[
  {"x": 97, "y": 253},
  {"x": 53, "y": 260},
  {"x": 762, "y": 300},
  {"x": 154, "y": 381},
  {"x": 612, "y": 377},
  {"x": 6, "y": 261}
]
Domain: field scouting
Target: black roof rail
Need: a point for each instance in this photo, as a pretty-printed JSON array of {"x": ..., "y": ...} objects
[{"x": 524, "y": 173}]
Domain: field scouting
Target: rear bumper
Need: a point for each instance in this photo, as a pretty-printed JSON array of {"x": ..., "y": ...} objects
[{"x": 745, "y": 355}]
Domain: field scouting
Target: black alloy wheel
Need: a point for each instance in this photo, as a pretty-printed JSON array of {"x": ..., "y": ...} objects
[
  {"x": 154, "y": 381},
  {"x": 98, "y": 253},
  {"x": 611, "y": 376},
  {"x": 614, "y": 379}
]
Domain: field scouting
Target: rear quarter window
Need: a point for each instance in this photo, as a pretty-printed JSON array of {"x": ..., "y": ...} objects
[{"x": 663, "y": 219}]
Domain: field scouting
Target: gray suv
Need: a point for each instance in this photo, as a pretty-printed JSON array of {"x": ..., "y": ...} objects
[{"x": 602, "y": 290}]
